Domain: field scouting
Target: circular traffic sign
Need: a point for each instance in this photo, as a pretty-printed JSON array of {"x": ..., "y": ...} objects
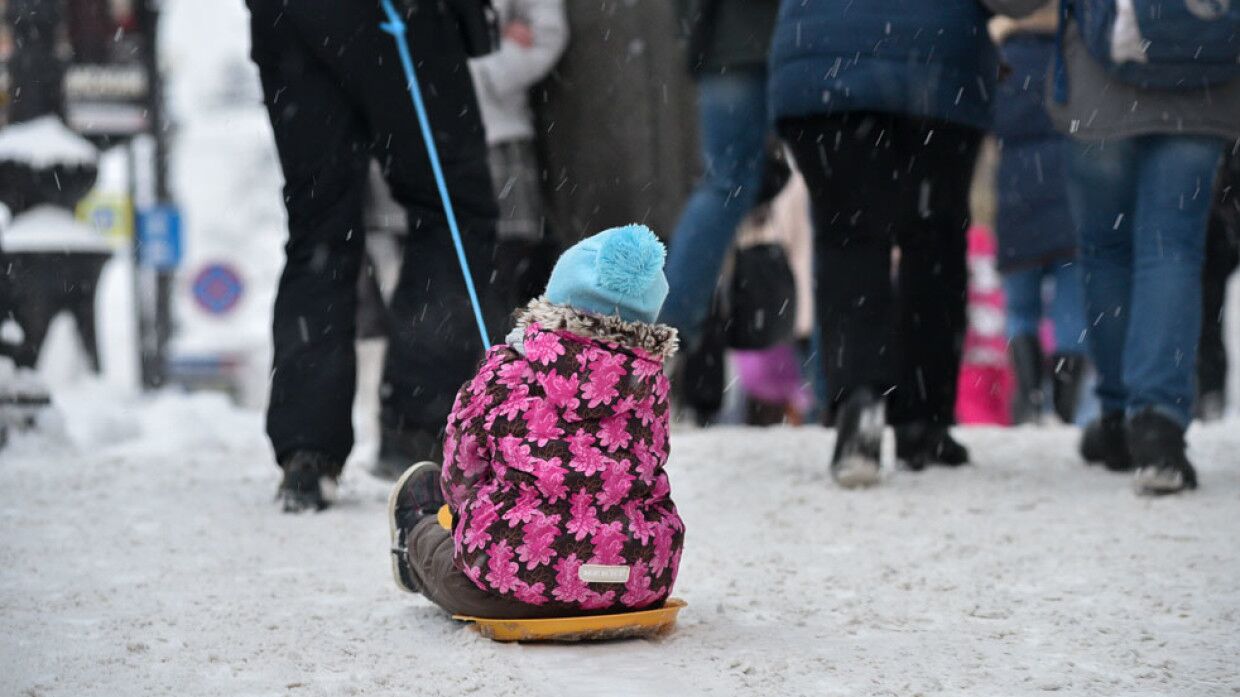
[{"x": 218, "y": 288}]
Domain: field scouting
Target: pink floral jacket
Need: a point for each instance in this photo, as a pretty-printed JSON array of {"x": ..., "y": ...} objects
[{"x": 553, "y": 464}]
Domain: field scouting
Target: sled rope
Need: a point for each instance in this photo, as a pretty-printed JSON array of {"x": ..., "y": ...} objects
[{"x": 396, "y": 27}]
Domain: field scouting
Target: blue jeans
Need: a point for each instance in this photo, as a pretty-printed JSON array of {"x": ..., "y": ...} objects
[
  {"x": 732, "y": 109},
  {"x": 1022, "y": 292},
  {"x": 1140, "y": 207}
]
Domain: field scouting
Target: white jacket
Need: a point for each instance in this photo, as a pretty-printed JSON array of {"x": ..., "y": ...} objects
[{"x": 503, "y": 79}]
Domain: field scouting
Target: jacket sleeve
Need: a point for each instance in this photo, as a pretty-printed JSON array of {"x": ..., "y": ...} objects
[
  {"x": 467, "y": 448},
  {"x": 461, "y": 440},
  {"x": 515, "y": 68},
  {"x": 1014, "y": 8}
]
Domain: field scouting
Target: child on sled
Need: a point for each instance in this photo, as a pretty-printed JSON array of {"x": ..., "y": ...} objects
[{"x": 554, "y": 455}]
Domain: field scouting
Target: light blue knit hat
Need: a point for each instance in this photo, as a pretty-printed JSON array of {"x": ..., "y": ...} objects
[{"x": 616, "y": 272}]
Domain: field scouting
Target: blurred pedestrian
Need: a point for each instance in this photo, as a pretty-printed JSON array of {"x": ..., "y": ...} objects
[
  {"x": 337, "y": 97},
  {"x": 1148, "y": 128},
  {"x": 728, "y": 41},
  {"x": 883, "y": 105},
  {"x": 777, "y": 388},
  {"x": 533, "y": 36},
  {"x": 1222, "y": 259},
  {"x": 1037, "y": 244}
]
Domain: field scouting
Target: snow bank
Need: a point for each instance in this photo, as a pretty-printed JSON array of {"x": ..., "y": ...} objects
[
  {"x": 144, "y": 555},
  {"x": 45, "y": 142},
  {"x": 51, "y": 229}
]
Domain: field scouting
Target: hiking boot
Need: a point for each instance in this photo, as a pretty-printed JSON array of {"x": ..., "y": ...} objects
[
  {"x": 399, "y": 448},
  {"x": 309, "y": 481},
  {"x": 416, "y": 495},
  {"x": 1105, "y": 441},
  {"x": 1068, "y": 370},
  {"x": 1157, "y": 446},
  {"x": 859, "y": 423},
  {"x": 919, "y": 444}
]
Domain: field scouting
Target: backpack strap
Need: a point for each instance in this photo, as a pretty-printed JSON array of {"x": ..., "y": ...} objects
[{"x": 1061, "y": 67}]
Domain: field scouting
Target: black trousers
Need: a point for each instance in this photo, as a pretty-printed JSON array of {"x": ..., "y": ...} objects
[
  {"x": 1222, "y": 259},
  {"x": 337, "y": 97},
  {"x": 878, "y": 182}
]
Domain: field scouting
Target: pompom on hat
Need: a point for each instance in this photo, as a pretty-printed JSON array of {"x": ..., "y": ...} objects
[{"x": 616, "y": 272}]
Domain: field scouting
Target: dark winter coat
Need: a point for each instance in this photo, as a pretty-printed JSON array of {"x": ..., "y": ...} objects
[
  {"x": 1033, "y": 223},
  {"x": 929, "y": 58},
  {"x": 553, "y": 464},
  {"x": 727, "y": 35}
]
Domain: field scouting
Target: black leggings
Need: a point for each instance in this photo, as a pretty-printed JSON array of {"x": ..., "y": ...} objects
[{"x": 878, "y": 182}]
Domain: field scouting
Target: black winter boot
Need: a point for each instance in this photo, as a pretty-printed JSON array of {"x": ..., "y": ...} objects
[
  {"x": 309, "y": 481},
  {"x": 859, "y": 424},
  {"x": 1027, "y": 363},
  {"x": 919, "y": 444},
  {"x": 416, "y": 495},
  {"x": 1067, "y": 371},
  {"x": 397, "y": 449},
  {"x": 1157, "y": 445},
  {"x": 1105, "y": 441}
]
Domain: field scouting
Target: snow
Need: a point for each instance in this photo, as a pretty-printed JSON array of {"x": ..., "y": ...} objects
[
  {"x": 45, "y": 142},
  {"x": 143, "y": 554},
  {"x": 49, "y": 228}
]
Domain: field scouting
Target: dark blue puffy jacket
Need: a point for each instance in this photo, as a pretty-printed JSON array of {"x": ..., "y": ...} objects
[
  {"x": 1033, "y": 222},
  {"x": 916, "y": 57}
]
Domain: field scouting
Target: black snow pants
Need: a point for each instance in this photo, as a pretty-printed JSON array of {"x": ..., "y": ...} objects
[
  {"x": 1222, "y": 260},
  {"x": 337, "y": 97},
  {"x": 878, "y": 182}
]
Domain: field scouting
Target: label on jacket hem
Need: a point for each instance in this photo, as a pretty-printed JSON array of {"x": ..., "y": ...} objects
[{"x": 601, "y": 573}]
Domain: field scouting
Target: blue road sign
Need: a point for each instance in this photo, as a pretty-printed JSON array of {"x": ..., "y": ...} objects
[
  {"x": 218, "y": 288},
  {"x": 159, "y": 237}
]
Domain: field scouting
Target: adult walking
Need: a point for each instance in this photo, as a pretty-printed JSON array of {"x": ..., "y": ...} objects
[
  {"x": 1222, "y": 260},
  {"x": 337, "y": 97},
  {"x": 1033, "y": 224},
  {"x": 883, "y": 104},
  {"x": 1141, "y": 171},
  {"x": 727, "y": 50},
  {"x": 534, "y": 34}
]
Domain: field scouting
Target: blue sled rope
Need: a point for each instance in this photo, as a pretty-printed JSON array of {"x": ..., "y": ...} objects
[{"x": 396, "y": 27}]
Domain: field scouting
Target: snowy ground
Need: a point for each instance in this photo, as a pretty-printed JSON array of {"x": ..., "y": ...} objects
[{"x": 142, "y": 554}]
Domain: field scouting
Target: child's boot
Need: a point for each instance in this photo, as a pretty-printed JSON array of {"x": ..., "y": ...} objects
[{"x": 417, "y": 494}]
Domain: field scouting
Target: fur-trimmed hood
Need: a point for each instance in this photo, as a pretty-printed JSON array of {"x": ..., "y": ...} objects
[{"x": 656, "y": 339}]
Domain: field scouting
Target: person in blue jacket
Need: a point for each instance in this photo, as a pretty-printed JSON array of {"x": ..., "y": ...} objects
[
  {"x": 1033, "y": 223},
  {"x": 883, "y": 104}
]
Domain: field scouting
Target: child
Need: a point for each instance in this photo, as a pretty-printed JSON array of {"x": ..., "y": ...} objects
[{"x": 554, "y": 454}]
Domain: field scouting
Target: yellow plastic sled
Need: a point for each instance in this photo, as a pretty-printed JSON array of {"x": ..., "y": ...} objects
[{"x": 626, "y": 625}]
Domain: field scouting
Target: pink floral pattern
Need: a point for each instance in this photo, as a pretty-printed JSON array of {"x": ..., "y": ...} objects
[{"x": 554, "y": 459}]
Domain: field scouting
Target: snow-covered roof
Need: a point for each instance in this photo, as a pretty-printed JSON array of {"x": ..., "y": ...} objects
[
  {"x": 51, "y": 229},
  {"x": 45, "y": 142}
]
